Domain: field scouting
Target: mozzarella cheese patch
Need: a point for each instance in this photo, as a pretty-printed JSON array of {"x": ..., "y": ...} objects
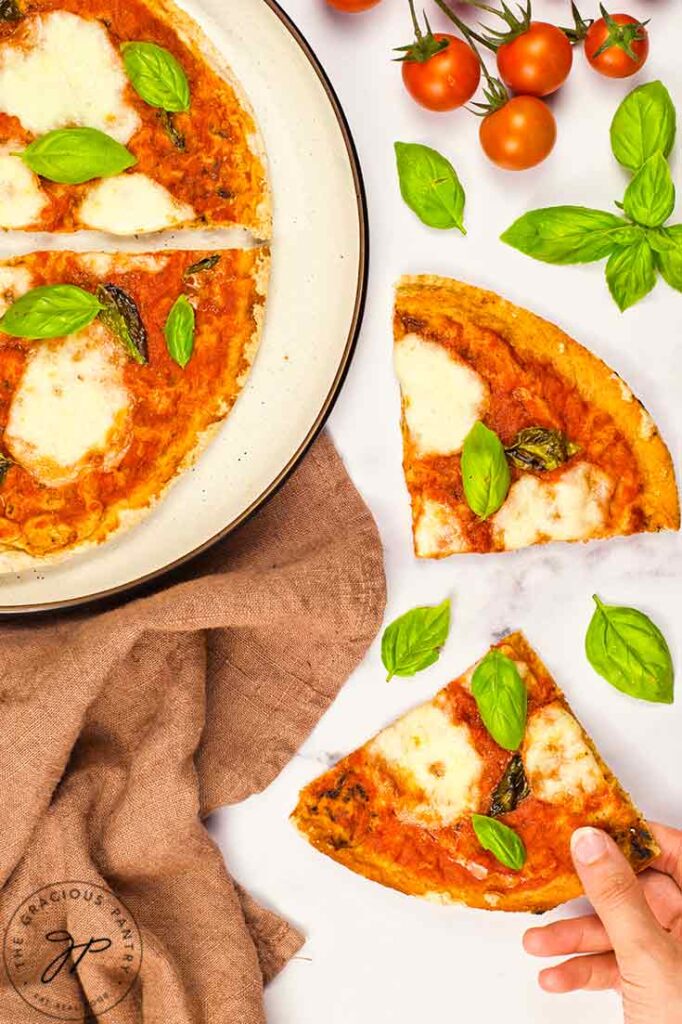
[
  {"x": 573, "y": 507},
  {"x": 442, "y": 396},
  {"x": 132, "y": 204},
  {"x": 437, "y": 531},
  {"x": 14, "y": 281},
  {"x": 21, "y": 198},
  {"x": 558, "y": 762},
  {"x": 64, "y": 71},
  {"x": 437, "y": 756},
  {"x": 71, "y": 408}
]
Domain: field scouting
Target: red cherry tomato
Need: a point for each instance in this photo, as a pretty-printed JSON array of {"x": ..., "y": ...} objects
[
  {"x": 353, "y": 6},
  {"x": 537, "y": 62},
  {"x": 617, "y": 46},
  {"x": 520, "y": 134},
  {"x": 446, "y": 80}
]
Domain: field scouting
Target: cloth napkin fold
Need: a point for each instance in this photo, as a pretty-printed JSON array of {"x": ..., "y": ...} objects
[{"x": 120, "y": 729}]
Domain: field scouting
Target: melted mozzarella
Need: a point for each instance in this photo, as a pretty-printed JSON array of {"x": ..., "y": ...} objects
[
  {"x": 573, "y": 507},
  {"x": 131, "y": 204},
  {"x": 14, "y": 281},
  {"x": 71, "y": 408},
  {"x": 103, "y": 263},
  {"x": 437, "y": 531},
  {"x": 559, "y": 764},
  {"x": 442, "y": 396},
  {"x": 438, "y": 757},
  {"x": 21, "y": 198},
  {"x": 65, "y": 72}
]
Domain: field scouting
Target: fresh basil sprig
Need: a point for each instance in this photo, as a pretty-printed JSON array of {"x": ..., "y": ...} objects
[
  {"x": 414, "y": 640},
  {"x": 642, "y": 135},
  {"x": 502, "y": 699},
  {"x": 625, "y": 647},
  {"x": 156, "y": 76},
  {"x": 430, "y": 186},
  {"x": 74, "y": 155},
  {"x": 179, "y": 331},
  {"x": 50, "y": 311},
  {"x": 485, "y": 471},
  {"x": 503, "y": 842}
]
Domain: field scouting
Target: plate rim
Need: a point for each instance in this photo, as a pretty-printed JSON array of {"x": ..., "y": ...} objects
[{"x": 133, "y": 587}]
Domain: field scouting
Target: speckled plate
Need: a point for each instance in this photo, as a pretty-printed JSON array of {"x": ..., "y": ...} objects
[{"x": 314, "y": 310}]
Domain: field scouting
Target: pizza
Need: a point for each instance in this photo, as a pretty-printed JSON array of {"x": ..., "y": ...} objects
[
  {"x": 121, "y": 116},
  {"x": 116, "y": 369},
  {"x": 514, "y": 434},
  {"x": 434, "y": 806}
]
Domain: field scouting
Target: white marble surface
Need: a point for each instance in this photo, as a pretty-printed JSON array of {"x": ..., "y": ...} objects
[{"x": 372, "y": 954}]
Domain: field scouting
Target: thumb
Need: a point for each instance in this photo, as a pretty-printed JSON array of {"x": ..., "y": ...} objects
[{"x": 614, "y": 892}]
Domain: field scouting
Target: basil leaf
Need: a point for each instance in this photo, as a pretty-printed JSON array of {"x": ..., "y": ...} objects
[
  {"x": 644, "y": 124},
  {"x": 511, "y": 789},
  {"x": 179, "y": 331},
  {"x": 74, "y": 155},
  {"x": 485, "y": 471},
  {"x": 50, "y": 311},
  {"x": 631, "y": 273},
  {"x": 540, "y": 448},
  {"x": 430, "y": 186},
  {"x": 569, "y": 234},
  {"x": 650, "y": 196},
  {"x": 10, "y": 11},
  {"x": 625, "y": 647},
  {"x": 156, "y": 76},
  {"x": 5, "y": 465},
  {"x": 502, "y": 699},
  {"x": 414, "y": 640},
  {"x": 667, "y": 245},
  {"x": 208, "y": 263},
  {"x": 120, "y": 314},
  {"x": 172, "y": 130},
  {"x": 502, "y": 841}
]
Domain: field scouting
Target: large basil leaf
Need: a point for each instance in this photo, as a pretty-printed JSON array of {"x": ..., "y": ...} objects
[
  {"x": 667, "y": 245},
  {"x": 644, "y": 124},
  {"x": 179, "y": 331},
  {"x": 50, "y": 311},
  {"x": 414, "y": 640},
  {"x": 120, "y": 314},
  {"x": 502, "y": 841},
  {"x": 430, "y": 186},
  {"x": 631, "y": 273},
  {"x": 74, "y": 155},
  {"x": 156, "y": 76},
  {"x": 650, "y": 196},
  {"x": 485, "y": 471},
  {"x": 511, "y": 789},
  {"x": 502, "y": 699},
  {"x": 625, "y": 647},
  {"x": 569, "y": 234}
]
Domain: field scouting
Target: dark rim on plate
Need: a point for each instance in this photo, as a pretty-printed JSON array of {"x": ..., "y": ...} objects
[{"x": 105, "y": 596}]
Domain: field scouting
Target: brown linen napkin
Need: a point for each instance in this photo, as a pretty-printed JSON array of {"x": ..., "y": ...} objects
[{"x": 119, "y": 728}]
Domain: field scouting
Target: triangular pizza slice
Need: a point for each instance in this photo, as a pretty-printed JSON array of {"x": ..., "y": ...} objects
[
  {"x": 513, "y": 433},
  {"x": 436, "y": 807},
  {"x": 123, "y": 118}
]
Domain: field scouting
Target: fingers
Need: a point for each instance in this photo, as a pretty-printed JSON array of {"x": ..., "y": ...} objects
[
  {"x": 576, "y": 935},
  {"x": 593, "y": 973},
  {"x": 665, "y": 899},
  {"x": 670, "y": 842},
  {"x": 612, "y": 888}
]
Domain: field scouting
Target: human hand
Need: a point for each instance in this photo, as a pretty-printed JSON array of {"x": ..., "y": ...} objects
[{"x": 634, "y": 941}]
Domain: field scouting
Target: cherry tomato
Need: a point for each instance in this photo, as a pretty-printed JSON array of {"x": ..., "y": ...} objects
[
  {"x": 353, "y": 6},
  {"x": 446, "y": 80},
  {"x": 520, "y": 134},
  {"x": 537, "y": 62},
  {"x": 617, "y": 45}
]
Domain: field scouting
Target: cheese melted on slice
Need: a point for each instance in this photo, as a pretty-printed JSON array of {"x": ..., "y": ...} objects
[
  {"x": 132, "y": 204},
  {"x": 437, "y": 756},
  {"x": 71, "y": 409},
  {"x": 442, "y": 396},
  {"x": 559, "y": 764},
  {"x": 574, "y": 507},
  {"x": 437, "y": 531},
  {"x": 65, "y": 71},
  {"x": 21, "y": 198}
]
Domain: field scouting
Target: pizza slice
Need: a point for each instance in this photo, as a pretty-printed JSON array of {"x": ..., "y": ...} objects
[
  {"x": 436, "y": 807},
  {"x": 122, "y": 117},
  {"x": 513, "y": 433},
  {"x": 116, "y": 369}
]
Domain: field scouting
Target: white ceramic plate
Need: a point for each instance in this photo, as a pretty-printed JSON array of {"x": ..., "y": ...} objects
[{"x": 314, "y": 308}]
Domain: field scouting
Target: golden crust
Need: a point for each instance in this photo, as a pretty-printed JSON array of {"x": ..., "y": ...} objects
[
  {"x": 592, "y": 379},
  {"x": 342, "y": 813}
]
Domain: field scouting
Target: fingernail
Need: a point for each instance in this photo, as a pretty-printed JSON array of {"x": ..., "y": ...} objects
[{"x": 588, "y": 845}]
